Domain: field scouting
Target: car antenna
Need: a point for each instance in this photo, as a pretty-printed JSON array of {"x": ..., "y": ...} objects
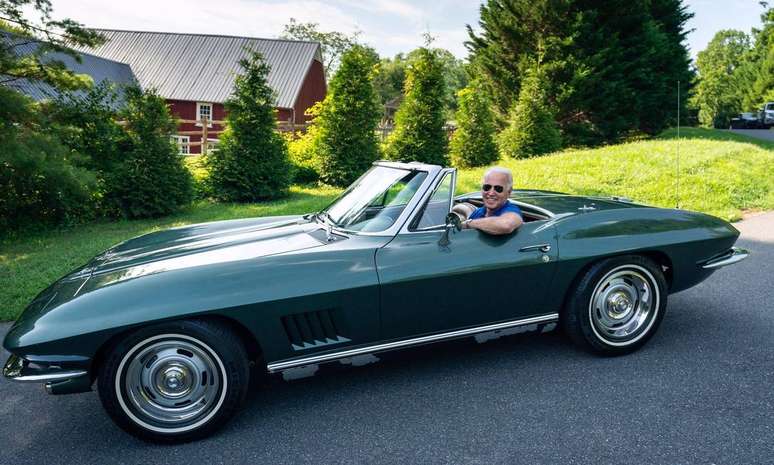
[{"x": 677, "y": 187}]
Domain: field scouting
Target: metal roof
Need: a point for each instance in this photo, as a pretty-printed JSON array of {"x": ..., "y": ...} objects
[
  {"x": 202, "y": 68},
  {"x": 99, "y": 69}
]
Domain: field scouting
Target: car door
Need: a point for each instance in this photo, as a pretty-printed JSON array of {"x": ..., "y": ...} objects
[{"x": 476, "y": 279}]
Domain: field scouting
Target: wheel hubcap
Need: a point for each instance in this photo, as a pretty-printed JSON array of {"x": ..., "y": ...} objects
[
  {"x": 624, "y": 304},
  {"x": 172, "y": 383}
]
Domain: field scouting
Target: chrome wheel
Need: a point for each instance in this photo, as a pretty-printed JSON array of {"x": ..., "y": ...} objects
[
  {"x": 624, "y": 305},
  {"x": 171, "y": 383}
]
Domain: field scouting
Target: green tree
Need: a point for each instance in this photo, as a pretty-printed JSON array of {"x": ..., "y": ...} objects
[
  {"x": 719, "y": 94},
  {"x": 39, "y": 184},
  {"x": 473, "y": 142},
  {"x": 48, "y": 35},
  {"x": 764, "y": 84},
  {"x": 611, "y": 68},
  {"x": 531, "y": 128},
  {"x": 333, "y": 44},
  {"x": 345, "y": 128},
  {"x": 754, "y": 74},
  {"x": 251, "y": 162},
  {"x": 419, "y": 133},
  {"x": 151, "y": 179}
]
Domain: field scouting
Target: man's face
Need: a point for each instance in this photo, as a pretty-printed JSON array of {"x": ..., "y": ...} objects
[{"x": 493, "y": 199}]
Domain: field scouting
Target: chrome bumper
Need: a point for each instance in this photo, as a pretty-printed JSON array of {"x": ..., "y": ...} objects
[
  {"x": 735, "y": 255},
  {"x": 23, "y": 371}
]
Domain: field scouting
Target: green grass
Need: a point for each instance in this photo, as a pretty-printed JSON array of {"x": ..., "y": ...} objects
[{"x": 721, "y": 173}]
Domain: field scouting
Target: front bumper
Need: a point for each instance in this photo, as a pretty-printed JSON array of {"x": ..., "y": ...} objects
[
  {"x": 58, "y": 380},
  {"x": 734, "y": 255}
]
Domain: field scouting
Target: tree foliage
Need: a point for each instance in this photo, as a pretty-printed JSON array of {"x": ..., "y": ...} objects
[
  {"x": 611, "y": 68},
  {"x": 473, "y": 142},
  {"x": 391, "y": 77},
  {"x": 719, "y": 92},
  {"x": 531, "y": 128},
  {"x": 48, "y": 35},
  {"x": 39, "y": 184},
  {"x": 345, "y": 138},
  {"x": 150, "y": 179},
  {"x": 251, "y": 162},
  {"x": 333, "y": 44},
  {"x": 419, "y": 133}
]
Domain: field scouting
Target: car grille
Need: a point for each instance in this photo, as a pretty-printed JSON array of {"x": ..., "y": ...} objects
[{"x": 312, "y": 329}]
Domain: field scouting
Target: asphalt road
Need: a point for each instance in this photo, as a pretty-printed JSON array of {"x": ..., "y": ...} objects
[
  {"x": 763, "y": 134},
  {"x": 700, "y": 392}
]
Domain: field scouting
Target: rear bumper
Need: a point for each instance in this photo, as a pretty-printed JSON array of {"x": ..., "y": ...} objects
[
  {"x": 58, "y": 380},
  {"x": 733, "y": 255}
]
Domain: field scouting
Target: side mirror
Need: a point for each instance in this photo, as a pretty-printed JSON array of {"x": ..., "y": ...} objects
[{"x": 453, "y": 223}]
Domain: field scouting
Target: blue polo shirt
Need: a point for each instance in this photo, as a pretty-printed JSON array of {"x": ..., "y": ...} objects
[{"x": 507, "y": 207}]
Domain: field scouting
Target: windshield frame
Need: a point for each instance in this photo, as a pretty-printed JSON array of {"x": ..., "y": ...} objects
[{"x": 428, "y": 183}]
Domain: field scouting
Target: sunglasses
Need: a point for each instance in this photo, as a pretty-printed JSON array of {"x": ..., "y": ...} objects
[{"x": 488, "y": 187}]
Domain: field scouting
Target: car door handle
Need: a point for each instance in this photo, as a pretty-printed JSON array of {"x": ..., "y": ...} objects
[{"x": 541, "y": 247}]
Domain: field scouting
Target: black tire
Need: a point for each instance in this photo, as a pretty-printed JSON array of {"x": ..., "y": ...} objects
[
  {"x": 617, "y": 305},
  {"x": 200, "y": 365}
]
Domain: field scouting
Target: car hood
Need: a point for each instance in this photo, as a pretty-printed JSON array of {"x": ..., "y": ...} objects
[{"x": 202, "y": 244}]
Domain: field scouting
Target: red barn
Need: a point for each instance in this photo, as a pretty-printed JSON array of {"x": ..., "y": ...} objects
[{"x": 196, "y": 72}]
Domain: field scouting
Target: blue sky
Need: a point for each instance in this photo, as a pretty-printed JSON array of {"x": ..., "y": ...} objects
[{"x": 390, "y": 26}]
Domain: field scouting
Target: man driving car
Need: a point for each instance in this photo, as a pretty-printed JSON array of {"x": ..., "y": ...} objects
[{"x": 497, "y": 216}]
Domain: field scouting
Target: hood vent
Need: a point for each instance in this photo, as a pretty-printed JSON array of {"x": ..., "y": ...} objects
[{"x": 312, "y": 329}]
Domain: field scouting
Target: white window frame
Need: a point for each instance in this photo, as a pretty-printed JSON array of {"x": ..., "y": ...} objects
[
  {"x": 199, "y": 106},
  {"x": 179, "y": 141},
  {"x": 212, "y": 144}
]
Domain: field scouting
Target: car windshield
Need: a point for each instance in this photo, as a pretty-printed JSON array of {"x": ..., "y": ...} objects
[
  {"x": 376, "y": 200},
  {"x": 770, "y": 107}
]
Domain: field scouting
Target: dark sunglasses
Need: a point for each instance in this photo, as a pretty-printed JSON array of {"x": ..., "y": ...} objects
[{"x": 488, "y": 187}]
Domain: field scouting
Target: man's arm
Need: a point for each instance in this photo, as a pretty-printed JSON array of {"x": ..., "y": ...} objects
[{"x": 503, "y": 224}]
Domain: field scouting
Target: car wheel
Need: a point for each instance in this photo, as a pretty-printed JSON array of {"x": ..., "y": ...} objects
[
  {"x": 176, "y": 381},
  {"x": 617, "y": 305}
]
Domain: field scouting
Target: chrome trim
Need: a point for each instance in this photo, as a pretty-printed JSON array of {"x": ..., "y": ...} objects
[
  {"x": 283, "y": 365},
  {"x": 545, "y": 248},
  {"x": 735, "y": 255},
  {"x": 17, "y": 370}
]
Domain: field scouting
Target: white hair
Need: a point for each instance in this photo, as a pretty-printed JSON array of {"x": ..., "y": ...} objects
[{"x": 501, "y": 170}]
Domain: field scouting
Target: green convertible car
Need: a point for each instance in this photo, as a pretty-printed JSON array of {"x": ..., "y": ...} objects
[{"x": 169, "y": 324}]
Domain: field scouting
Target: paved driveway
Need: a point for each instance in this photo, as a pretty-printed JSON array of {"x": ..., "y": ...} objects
[
  {"x": 763, "y": 134},
  {"x": 700, "y": 392}
]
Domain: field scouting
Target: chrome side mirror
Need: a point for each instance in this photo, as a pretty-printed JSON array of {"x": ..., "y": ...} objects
[{"x": 453, "y": 223}]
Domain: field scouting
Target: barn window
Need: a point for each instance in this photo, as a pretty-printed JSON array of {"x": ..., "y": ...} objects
[
  {"x": 182, "y": 144},
  {"x": 204, "y": 110}
]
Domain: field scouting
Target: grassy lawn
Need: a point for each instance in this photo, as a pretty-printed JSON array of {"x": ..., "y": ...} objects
[{"x": 721, "y": 173}]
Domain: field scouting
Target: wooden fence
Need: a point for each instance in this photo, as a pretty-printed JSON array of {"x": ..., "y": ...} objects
[{"x": 207, "y": 131}]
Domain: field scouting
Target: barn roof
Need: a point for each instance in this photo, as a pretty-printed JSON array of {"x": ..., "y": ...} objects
[
  {"x": 198, "y": 67},
  {"x": 99, "y": 69}
]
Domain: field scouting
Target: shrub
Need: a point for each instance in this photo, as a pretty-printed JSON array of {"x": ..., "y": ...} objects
[
  {"x": 531, "y": 127},
  {"x": 419, "y": 133},
  {"x": 151, "y": 179},
  {"x": 303, "y": 157},
  {"x": 344, "y": 138},
  {"x": 38, "y": 183},
  {"x": 251, "y": 162},
  {"x": 473, "y": 142}
]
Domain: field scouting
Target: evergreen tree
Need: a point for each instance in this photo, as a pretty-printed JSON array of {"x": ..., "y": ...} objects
[
  {"x": 151, "y": 180},
  {"x": 610, "y": 67},
  {"x": 251, "y": 162},
  {"x": 531, "y": 127},
  {"x": 763, "y": 86},
  {"x": 473, "y": 142},
  {"x": 754, "y": 73},
  {"x": 718, "y": 94},
  {"x": 345, "y": 129},
  {"x": 419, "y": 133}
]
